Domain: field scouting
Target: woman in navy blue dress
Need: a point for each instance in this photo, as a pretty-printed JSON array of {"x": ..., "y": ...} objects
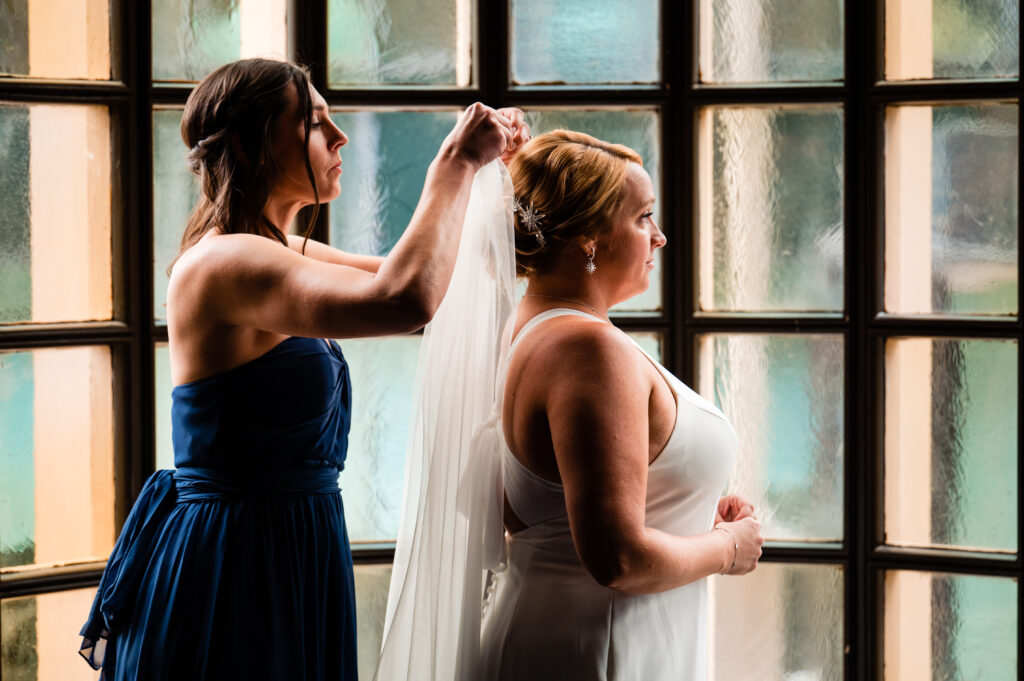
[{"x": 237, "y": 564}]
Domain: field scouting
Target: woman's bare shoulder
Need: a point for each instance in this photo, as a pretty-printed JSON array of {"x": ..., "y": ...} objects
[{"x": 571, "y": 346}]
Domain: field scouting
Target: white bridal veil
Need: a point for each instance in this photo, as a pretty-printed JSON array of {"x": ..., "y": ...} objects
[{"x": 450, "y": 532}]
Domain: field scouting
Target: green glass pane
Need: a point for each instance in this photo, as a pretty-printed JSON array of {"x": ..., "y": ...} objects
[
  {"x": 385, "y": 165},
  {"x": 175, "y": 193},
  {"x": 60, "y": 39},
  {"x": 38, "y": 637},
  {"x": 164, "y": 446},
  {"x": 784, "y": 396},
  {"x": 951, "y": 187},
  {"x": 399, "y": 42},
  {"x": 951, "y": 422},
  {"x": 56, "y": 443},
  {"x": 638, "y": 129},
  {"x": 796, "y": 634},
  {"x": 952, "y": 39},
  {"x": 950, "y": 627},
  {"x": 193, "y": 37},
  {"x": 383, "y": 372},
  {"x": 15, "y": 215},
  {"x": 585, "y": 42},
  {"x": 770, "y": 209},
  {"x": 650, "y": 341},
  {"x": 778, "y": 41},
  {"x": 372, "y": 583}
]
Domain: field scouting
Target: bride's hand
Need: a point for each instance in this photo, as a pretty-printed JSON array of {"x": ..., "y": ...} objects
[
  {"x": 745, "y": 540},
  {"x": 480, "y": 136},
  {"x": 520, "y": 129},
  {"x": 732, "y": 508}
]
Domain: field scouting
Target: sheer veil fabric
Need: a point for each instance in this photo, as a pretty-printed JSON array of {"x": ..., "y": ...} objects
[{"x": 450, "y": 532}]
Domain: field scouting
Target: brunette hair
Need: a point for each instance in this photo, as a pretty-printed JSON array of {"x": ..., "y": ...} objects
[
  {"x": 227, "y": 126},
  {"x": 573, "y": 184}
]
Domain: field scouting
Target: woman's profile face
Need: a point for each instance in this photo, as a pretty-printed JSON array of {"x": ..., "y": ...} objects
[
  {"x": 624, "y": 255},
  {"x": 325, "y": 140}
]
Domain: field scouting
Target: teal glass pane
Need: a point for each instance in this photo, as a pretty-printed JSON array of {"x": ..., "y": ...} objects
[
  {"x": 383, "y": 373},
  {"x": 372, "y": 583},
  {"x": 950, "y": 627},
  {"x": 39, "y": 636},
  {"x": 784, "y": 396},
  {"x": 951, "y": 209},
  {"x": 164, "y": 446},
  {"x": 373, "y": 43},
  {"x": 175, "y": 193},
  {"x": 951, "y": 423},
  {"x": 770, "y": 209},
  {"x": 761, "y": 41},
  {"x": 638, "y": 129},
  {"x": 651, "y": 341},
  {"x": 385, "y": 165},
  {"x": 56, "y": 443},
  {"x": 952, "y": 39},
  {"x": 575, "y": 42},
  {"x": 796, "y": 634},
  {"x": 193, "y": 37}
]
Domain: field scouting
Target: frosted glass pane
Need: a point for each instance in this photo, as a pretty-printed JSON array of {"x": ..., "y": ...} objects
[
  {"x": 55, "y": 217},
  {"x": 39, "y": 638},
  {"x": 56, "y": 443},
  {"x": 650, "y": 341},
  {"x": 951, "y": 426},
  {"x": 175, "y": 193},
  {"x": 796, "y": 633},
  {"x": 952, "y": 39},
  {"x": 784, "y": 396},
  {"x": 770, "y": 209},
  {"x": 585, "y": 42},
  {"x": 164, "y": 446},
  {"x": 946, "y": 627},
  {"x": 385, "y": 164},
  {"x": 67, "y": 39},
  {"x": 754, "y": 41},
  {"x": 383, "y": 371},
  {"x": 638, "y": 129},
  {"x": 399, "y": 42},
  {"x": 193, "y": 37},
  {"x": 951, "y": 209},
  {"x": 372, "y": 582}
]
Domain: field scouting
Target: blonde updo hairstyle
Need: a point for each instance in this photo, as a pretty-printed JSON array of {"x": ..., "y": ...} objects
[{"x": 574, "y": 183}]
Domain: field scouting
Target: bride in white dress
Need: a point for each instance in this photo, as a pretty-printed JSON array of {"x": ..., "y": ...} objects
[{"x": 609, "y": 467}]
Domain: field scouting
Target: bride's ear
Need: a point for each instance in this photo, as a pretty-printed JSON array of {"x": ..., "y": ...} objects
[{"x": 588, "y": 245}]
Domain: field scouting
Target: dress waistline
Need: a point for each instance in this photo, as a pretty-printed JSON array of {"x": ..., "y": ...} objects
[{"x": 214, "y": 484}]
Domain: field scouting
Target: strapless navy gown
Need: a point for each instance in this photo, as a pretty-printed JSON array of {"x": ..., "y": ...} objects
[{"x": 237, "y": 565}]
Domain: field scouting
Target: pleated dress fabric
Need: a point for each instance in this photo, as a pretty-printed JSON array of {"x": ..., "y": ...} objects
[
  {"x": 547, "y": 619},
  {"x": 237, "y": 565}
]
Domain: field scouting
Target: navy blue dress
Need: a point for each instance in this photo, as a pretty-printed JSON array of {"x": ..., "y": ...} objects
[{"x": 237, "y": 565}]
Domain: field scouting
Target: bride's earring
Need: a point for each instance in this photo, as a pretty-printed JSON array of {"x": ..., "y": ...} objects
[{"x": 590, "y": 267}]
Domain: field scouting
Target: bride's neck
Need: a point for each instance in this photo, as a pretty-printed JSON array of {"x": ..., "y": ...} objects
[{"x": 583, "y": 290}]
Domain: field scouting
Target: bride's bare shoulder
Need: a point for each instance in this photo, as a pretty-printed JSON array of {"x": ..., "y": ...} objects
[{"x": 570, "y": 345}]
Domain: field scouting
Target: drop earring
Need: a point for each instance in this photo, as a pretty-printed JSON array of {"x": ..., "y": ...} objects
[{"x": 590, "y": 267}]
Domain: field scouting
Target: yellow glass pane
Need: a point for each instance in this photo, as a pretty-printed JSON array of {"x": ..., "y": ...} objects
[{"x": 55, "y": 39}]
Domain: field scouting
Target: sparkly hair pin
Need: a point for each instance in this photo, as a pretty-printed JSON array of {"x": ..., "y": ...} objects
[{"x": 531, "y": 220}]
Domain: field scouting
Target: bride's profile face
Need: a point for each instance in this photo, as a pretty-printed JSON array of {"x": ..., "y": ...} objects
[{"x": 625, "y": 253}]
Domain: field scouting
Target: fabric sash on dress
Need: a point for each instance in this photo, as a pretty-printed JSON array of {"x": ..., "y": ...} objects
[{"x": 163, "y": 490}]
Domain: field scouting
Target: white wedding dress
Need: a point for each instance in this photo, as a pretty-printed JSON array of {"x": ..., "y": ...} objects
[{"x": 549, "y": 620}]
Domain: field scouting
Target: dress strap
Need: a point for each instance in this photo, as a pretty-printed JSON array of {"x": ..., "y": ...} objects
[{"x": 536, "y": 320}]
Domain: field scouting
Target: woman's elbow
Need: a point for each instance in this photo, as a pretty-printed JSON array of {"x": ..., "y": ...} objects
[{"x": 614, "y": 569}]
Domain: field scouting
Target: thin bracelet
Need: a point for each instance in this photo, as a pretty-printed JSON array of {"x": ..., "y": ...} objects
[{"x": 735, "y": 549}]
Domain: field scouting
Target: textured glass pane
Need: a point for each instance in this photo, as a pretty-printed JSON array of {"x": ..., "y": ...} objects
[
  {"x": 951, "y": 209},
  {"x": 951, "y": 426},
  {"x": 770, "y": 207},
  {"x": 385, "y": 164},
  {"x": 638, "y": 129},
  {"x": 399, "y": 42},
  {"x": 951, "y": 39},
  {"x": 383, "y": 373},
  {"x": 755, "y": 41},
  {"x": 164, "y": 447},
  {"x": 56, "y": 39},
  {"x": 39, "y": 636},
  {"x": 585, "y": 42},
  {"x": 56, "y": 443},
  {"x": 372, "y": 582},
  {"x": 193, "y": 37},
  {"x": 650, "y": 341},
  {"x": 55, "y": 217},
  {"x": 946, "y": 627},
  {"x": 175, "y": 192},
  {"x": 784, "y": 396},
  {"x": 796, "y": 634}
]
